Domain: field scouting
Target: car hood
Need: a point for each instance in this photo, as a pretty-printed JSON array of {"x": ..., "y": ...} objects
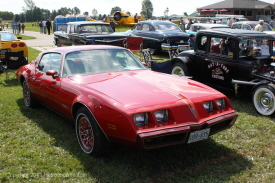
[{"x": 135, "y": 89}]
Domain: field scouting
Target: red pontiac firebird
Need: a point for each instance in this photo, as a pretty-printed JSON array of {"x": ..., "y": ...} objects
[{"x": 112, "y": 98}]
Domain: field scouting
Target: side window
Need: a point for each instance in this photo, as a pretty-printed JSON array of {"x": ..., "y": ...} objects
[
  {"x": 222, "y": 46},
  {"x": 234, "y": 26},
  {"x": 246, "y": 27},
  {"x": 145, "y": 27},
  {"x": 50, "y": 61},
  {"x": 72, "y": 29},
  {"x": 201, "y": 42},
  {"x": 138, "y": 27}
]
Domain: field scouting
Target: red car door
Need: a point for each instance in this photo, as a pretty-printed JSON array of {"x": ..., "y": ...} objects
[{"x": 44, "y": 87}]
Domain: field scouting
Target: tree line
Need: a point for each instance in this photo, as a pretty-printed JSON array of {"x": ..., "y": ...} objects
[{"x": 32, "y": 13}]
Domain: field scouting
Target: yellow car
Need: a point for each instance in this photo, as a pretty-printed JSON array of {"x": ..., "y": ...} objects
[{"x": 10, "y": 43}]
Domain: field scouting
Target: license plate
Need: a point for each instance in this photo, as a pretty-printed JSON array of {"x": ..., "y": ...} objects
[
  {"x": 198, "y": 135},
  {"x": 183, "y": 47}
]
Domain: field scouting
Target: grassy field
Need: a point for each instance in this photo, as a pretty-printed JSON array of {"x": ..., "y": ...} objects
[{"x": 37, "y": 145}]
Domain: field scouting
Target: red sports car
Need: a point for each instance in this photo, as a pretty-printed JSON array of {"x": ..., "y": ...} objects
[{"x": 112, "y": 98}]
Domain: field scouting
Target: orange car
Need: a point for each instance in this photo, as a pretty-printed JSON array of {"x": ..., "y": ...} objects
[{"x": 10, "y": 43}]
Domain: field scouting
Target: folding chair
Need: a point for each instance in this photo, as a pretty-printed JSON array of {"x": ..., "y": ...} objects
[
  {"x": 134, "y": 44},
  {"x": 12, "y": 61},
  {"x": 147, "y": 55}
]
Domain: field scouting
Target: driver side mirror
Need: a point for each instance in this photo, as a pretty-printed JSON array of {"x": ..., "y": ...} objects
[{"x": 52, "y": 73}]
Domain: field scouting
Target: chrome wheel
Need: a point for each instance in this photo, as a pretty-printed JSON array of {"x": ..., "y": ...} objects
[
  {"x": 179, "y": 69},
  {"x": 86, "y": 134},
  {"x": 263, "y": 99},
  {"x": 26, "y": 94}
]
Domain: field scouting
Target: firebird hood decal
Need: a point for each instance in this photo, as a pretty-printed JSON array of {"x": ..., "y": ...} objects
[{"x": 136, "y": 89}]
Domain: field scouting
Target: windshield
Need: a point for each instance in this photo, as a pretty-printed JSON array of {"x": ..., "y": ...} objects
[
  {"x": 94, "y": 28},
  {"x": 265, "y": 26},
  {"x": 255, "y": 48},
  {"x": 167, "y": 27},
  {"x": 5, "y": 36},
  {"x": 100, "y": 61}
]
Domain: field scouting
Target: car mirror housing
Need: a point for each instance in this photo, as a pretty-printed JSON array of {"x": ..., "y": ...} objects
[{"x": 52, "y": 73}]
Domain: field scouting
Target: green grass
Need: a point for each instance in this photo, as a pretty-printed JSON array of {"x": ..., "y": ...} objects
[{"x": 37, "y": 145}]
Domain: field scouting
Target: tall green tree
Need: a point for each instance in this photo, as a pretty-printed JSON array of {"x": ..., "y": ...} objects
[
  {"x": 166, "y": 11},
  {"x": 115, "y": 9},
  {"x": 147, "y": 9},
  {"x": 94, "y": 14},
  {"x": 29, "y": 5},
  {"x": 6, "y": 15}
]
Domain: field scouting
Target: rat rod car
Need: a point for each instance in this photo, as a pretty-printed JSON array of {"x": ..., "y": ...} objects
[
  {"x": 88, "y": 32},
  {"x": 112, "y": 97},
  {"x": 235, "y": 59},
  {"x": 160, "y": 35}
]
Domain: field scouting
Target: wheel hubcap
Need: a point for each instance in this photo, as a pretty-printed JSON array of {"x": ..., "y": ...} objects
[
  {"x": 265, "y": 101},
  {"x": 86, "y": 133},
  {"x": 26, "y": 93},
  {"x": 178, "y": 71}
]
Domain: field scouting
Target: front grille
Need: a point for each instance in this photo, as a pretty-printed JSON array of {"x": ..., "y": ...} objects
[{"x": 163, "y": 140}]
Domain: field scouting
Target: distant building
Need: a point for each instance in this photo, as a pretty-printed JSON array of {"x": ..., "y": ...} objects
[
  {"x": 251, "y": 9},
  {"x": 86, "y": 13}
]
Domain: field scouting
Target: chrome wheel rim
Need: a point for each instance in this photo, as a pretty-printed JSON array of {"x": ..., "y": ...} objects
[
  {"x": 86, "y": 134},
  {"x": 26, "y": 93},
  {"x": 265, "y": 102},
  {"x": 178, "y": 71}
]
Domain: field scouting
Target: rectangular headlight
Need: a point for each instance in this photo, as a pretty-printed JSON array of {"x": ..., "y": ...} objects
[
  {"x": 208, "y": 106},
  {"x": 221, "y": 103},
  {"x": 141, "y": 119},
  {"x": 161, "y": 115}
]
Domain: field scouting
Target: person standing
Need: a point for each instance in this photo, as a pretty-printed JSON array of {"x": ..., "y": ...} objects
[
  {"x": 48, "y": 25},
  {"x": 189, "y": 24},
  {"x": 44, "y": 26},
  {"x": 113, "y": 25},
  {"x": 13, "y": 26},
  {"x": 19, "y": 27},
  {"x": 229, "y": 22},
  {"x": 191, "y": 41},
  {"x": 260, "y": 27},
  {"x": 136, "y": 18},
  {"x": 23, "y": 27},
  {"x": 41, "y": 27}
]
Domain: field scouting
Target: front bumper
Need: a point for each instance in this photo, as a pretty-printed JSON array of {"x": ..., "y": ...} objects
[{"x": 180, "y": 134}]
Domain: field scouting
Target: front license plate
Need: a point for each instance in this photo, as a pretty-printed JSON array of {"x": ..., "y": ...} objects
[{"x": 198, "y": 135}]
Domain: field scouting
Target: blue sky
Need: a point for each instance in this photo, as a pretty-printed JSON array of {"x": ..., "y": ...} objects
[{"x": 105, "y": 6}]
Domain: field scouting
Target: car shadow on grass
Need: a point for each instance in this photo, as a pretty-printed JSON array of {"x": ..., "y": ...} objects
[{"x": 205, "y": 161}]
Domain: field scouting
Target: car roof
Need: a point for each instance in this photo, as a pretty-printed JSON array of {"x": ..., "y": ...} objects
[
  {"x": 209, "y": 25},
  {"x": 87, "y": 23},
  {"x": 156, "y": 22},
  {"x": 247, "y": 22},
  {"x": 236, "y": 33},
  {"x": 66, "y": 49}
]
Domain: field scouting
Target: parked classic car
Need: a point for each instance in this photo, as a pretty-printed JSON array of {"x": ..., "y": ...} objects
[
  {"x": 10, "y": 43},
  {"x": 194, "y": 28},
  {"x": 241, "y": 61},
  {"x": 88, "y": 32},
  {"x": 156, "y": 33},
  {"x": 250, "y": 25},
  {"x": 112, "y": 97}
]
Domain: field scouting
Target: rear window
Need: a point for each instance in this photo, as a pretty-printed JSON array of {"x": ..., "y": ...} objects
[{"x": 5, "y": 36}]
